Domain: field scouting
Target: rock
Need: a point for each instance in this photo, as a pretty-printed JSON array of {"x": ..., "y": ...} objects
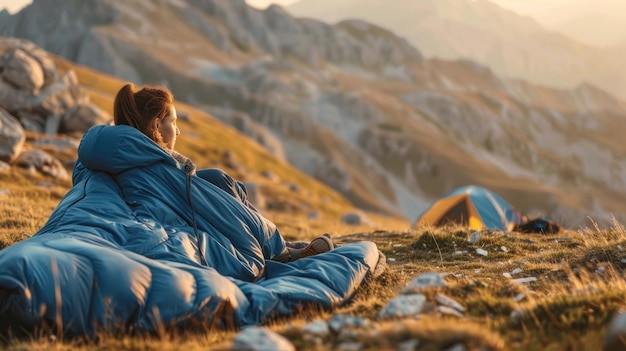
[
  {"x": 350, "y": 346},
  {"x": 319, "y": 328},
  {"x": 449, "y": 311},
  {"x": 356, "y": 218},
  {"x": 524, "y": 280},
  {"x": 450, "y": 302},
  {"x": 57, "y": 98},
  {"x": 12, "y": 137},
  {"x": 340, "y": 322},
  {"x": 482, "y": 252},
  {"x": 42, "y": 162},
  {"x": 409, "y": 345},
  {"x": 614, "y": 339},
  {"x": 59, "y": 143},
  {"x": 261, "y": 339},
  {"x": 403, "y": 306},
  {"x": 31, "y": 121},
  {"x": 22, "y": 71},
  {"x": 457, "y": 347},
  {"x": 516, "y": 315},
  {"x": 38, "y": 96},
  {"x": 474, "y": 238},
  {"x": 424, "y": 281},
  {"x": 254, "y": 130},
  {"x": 53, "y": 123},
  {"x": 4, "y": 167},
  {"x": 81, "y": 117},
  {"x": 314, "y": 215},
  {"x": 270, "y": 175}
]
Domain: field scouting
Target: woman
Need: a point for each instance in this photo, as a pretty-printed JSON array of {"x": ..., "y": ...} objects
[
  {"x": 140, "y": 243},
  {"x": 151, "y": 110}
]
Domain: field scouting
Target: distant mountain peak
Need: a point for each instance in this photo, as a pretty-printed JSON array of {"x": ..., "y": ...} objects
[{"x": 510, "y": 44}]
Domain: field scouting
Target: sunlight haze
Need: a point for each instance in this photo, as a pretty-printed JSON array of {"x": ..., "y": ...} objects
[{"x": 596, "y": 22}]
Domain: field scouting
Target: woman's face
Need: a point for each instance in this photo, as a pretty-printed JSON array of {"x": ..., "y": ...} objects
[{"x": 168, "y": 129}]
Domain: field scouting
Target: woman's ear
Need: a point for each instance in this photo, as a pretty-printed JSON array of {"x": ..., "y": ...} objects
[{"x": 156, "y": 123}]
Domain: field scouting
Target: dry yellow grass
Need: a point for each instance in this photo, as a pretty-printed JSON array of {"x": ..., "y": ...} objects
[
  {"x": 580, "y": 284},
  {"x": 580, "y": 275}
]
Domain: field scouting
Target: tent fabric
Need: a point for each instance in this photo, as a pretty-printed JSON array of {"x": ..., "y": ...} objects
[
  {"x": 138, "y": 243},
  {"x": 471, "y": 206}
]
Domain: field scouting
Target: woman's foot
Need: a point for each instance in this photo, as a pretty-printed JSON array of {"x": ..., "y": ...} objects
[{"x": 317, "y": 246}]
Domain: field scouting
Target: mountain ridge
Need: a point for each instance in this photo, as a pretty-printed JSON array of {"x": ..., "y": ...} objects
[
  {"x": 389, "y": 129},
  {"x": 513, "y": 45}
]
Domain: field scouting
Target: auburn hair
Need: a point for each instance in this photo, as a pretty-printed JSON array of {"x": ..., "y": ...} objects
[{"x": 139, "y": 107}]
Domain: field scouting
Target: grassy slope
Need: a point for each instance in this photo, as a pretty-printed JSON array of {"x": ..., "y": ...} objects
[
  {"x": 205, "y": 140},
  {"x": 566, "y": 308}
]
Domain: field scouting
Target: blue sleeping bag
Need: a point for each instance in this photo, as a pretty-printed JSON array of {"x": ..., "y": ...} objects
[{"x": 138, "y": 243}]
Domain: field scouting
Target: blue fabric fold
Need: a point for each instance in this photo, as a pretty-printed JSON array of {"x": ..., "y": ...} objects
[{"x": 120, "y": 251}]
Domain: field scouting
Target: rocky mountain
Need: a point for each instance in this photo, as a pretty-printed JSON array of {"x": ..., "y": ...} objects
[
  {"x": 511, "y": 45},
  {"x": 354, "y": 105}
]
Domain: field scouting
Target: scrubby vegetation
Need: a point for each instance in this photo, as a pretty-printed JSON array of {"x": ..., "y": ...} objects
[{"x": 578, "y": 275}]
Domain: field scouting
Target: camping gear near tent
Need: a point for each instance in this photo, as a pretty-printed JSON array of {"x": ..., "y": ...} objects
[
  {"x": 473, "y": 207},
  {"x": 539, "y": 225}
]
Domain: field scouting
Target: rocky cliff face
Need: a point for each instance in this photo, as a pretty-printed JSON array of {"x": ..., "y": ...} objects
[
  {"x": 38, "y": 97},
  {"x": 354, "y": 105},
  {"x": 512, "y": 45}
]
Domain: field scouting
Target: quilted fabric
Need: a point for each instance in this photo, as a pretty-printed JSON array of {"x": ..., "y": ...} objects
[{"x": 138, "y": 243}]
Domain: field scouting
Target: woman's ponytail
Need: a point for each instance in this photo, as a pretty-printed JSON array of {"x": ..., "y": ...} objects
[
  {"x": 125, "y": 108},
  {"x": 139, "y": 108}
]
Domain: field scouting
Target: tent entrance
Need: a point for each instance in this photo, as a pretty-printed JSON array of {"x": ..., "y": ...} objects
[{"x": 457, "y": 215}]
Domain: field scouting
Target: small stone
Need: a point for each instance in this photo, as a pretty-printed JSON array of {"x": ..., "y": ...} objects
[
  {"x": 519, "y": 297},
  {"x": 516, "y": 271},
  {"x": 457, "y": 347},
  {"x": 408, "y": 345},
  {"x": 507, "y": 275},
  {"x": 349, "y": 334},
  {"x": 403, "y": 306},
  {"x": 4, "y": 167},
  {"x": 524, "y": 280},
  {"x": 504, "y": 249},
  {"x": 261, "y": 339},
  {"x": 313, "y": 215},
  {"x": 350, "y": 346},
  {"x": 516, "y": 315},
  {"x": 425, "y": 280},
  {"x": 339, "y": 322},
  {"x": 482, "y": 252},
  {"x": 474, "y": 238},
  {"x": 450, "y": 302},
  {"x": 319, "y": 328},
  {"x": 391, "y": 259},
  {"x": 615, "y": 333}
]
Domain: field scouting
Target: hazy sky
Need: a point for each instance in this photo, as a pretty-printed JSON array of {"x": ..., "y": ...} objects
[
  {"x": 550, "y": 13},
  {"x": 543, "y": 10},
  {"x": 15, "y": 5}
]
